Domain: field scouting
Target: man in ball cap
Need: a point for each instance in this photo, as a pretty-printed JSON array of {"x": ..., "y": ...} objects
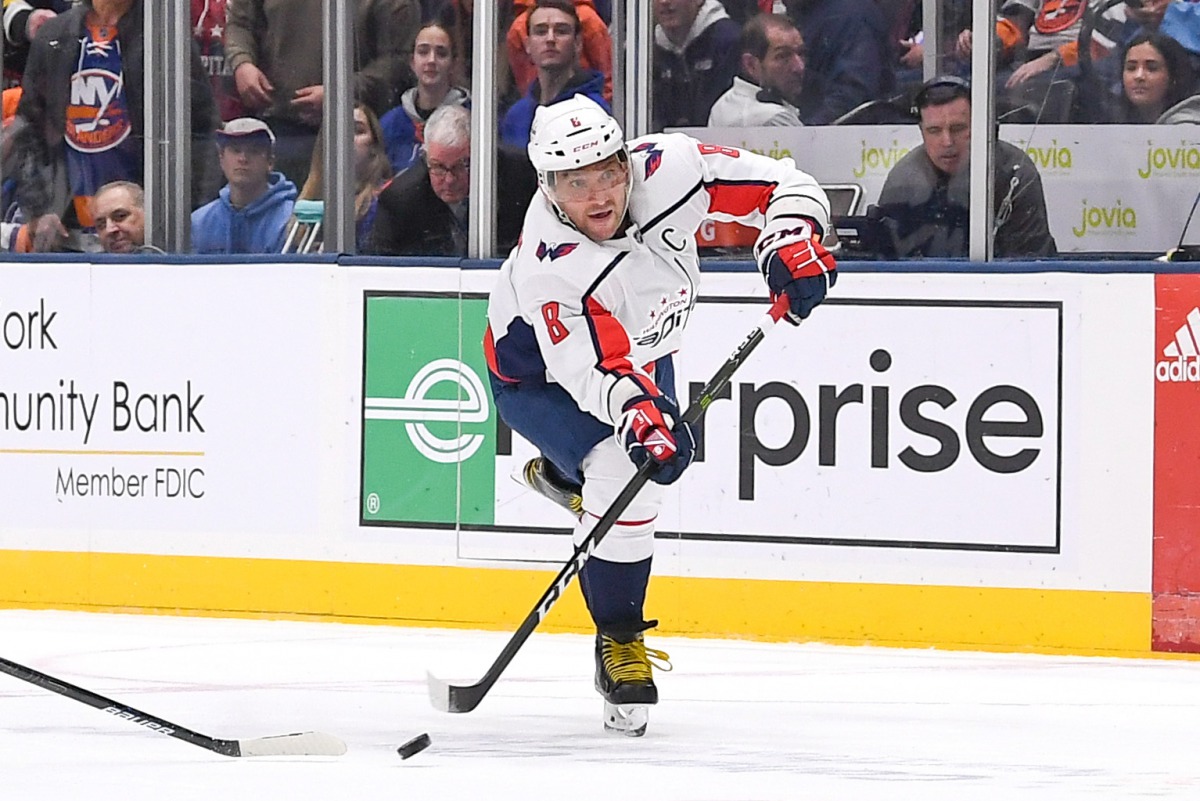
[{"x": 251, "y": 213}]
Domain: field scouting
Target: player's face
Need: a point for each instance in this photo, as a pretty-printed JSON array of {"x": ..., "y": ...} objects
[
  {"x": 782, "y": 68},
  {"x": 449, "y": 171},
  {"x": 431, "y": 59},
  {"x": 553, "y": 41},
  {"x": 594, "y": 197},
  {"x": 946, "y": 131},
  {"x": 1145, "y": 77},
  {"x": 120, "y": 224}
]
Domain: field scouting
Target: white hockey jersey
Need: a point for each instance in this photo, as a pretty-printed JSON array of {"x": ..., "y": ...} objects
[{"x": 587, "y": 314}]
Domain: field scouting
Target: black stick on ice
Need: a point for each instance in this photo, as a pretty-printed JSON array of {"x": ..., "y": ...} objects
[{"x": 302, "y": 744}]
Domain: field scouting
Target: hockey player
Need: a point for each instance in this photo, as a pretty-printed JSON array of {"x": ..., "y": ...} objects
[{"x": 585, "y": 316}]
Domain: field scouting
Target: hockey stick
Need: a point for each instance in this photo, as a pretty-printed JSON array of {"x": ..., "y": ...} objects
[
  {"x": 463, "y": 698},
  {"x": 302, "y": 744}
]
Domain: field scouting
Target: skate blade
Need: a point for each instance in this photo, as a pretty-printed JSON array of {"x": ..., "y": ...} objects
[
  {"x": 518, "y": 476},
  {"x": 627, "y": 719}
]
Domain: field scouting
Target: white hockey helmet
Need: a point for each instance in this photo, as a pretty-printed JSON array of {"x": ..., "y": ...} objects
[{"x": 572, "y": 133}]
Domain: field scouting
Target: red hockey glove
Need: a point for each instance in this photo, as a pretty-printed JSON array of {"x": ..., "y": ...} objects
[
  {"x": 803, "y": 271},
  {"x": 649, "y": 430}
]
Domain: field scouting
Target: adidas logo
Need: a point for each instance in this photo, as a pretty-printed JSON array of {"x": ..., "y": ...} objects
[{"x": 1182, "y": 362}]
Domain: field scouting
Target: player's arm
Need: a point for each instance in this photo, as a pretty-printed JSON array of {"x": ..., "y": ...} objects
[{"x": 792, "y": 212}]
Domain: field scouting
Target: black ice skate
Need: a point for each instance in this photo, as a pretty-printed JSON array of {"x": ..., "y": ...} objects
[
  {"x": 624, "y": 679},
  {"x": 542, "y": 477}
]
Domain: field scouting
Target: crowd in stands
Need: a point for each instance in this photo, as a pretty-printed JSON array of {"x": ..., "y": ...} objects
[{"x": 73, "y": 74}]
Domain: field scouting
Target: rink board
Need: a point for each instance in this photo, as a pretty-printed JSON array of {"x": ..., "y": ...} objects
[{"x": 931, "y": 459}]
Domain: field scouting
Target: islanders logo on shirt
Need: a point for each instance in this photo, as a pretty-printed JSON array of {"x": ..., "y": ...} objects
[
  {"x": 1055, "y": 16},
  {"x": 97, "y": 115}
]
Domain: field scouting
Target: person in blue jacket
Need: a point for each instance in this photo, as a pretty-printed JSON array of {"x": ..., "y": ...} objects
[
  {"x": 433, "y": 59},
  {"x": 252, "y": 211},
  {"x": 553, "y": 46}
]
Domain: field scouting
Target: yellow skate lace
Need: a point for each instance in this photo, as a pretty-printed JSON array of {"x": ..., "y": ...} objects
[{"x": 631, "y": 661}]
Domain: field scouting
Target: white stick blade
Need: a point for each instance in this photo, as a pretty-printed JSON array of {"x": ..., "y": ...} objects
[
  {"x": 309, "y": 743},
  {"x": 439, "y": 692}
]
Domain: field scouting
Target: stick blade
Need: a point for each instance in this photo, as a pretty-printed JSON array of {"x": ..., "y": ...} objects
[
  {"x": 309, "y": 743},
  {"x": 439, "y": 692},
  {"x": 447, "y": 697}
]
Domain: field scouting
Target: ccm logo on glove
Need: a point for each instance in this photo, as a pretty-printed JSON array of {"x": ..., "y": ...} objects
[{"x": 803, "y": 271}]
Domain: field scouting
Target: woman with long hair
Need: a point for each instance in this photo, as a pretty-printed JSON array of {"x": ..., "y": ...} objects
[
  {"x": 372, "y": 171},
  {"x": 1156, "y": 75}
]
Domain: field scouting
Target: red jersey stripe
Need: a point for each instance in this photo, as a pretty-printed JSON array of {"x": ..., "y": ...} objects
[
  {"x": 489, "y": 353},
  {"x": 739, "y": 199},
  {"x": 609, "y": 338}
]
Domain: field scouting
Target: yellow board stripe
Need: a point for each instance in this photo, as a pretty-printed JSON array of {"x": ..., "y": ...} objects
[{"x": 978, "y": 618}]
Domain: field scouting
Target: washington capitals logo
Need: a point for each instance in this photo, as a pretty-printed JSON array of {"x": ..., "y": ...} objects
[
  {"x": 555, "y": 251},
  {"x": 653, "y": 157}
]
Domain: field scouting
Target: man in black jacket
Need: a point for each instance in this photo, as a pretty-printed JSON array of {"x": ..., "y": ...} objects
[
  {"x": 849, "y": 56},
  {"x": 925, "y": 201},
  {"x": 80, "y": 120},
  {"x": 423, "y": 211}
]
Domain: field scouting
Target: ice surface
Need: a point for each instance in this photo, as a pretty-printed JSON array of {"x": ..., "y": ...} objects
[{"x": 737, "y": 720}]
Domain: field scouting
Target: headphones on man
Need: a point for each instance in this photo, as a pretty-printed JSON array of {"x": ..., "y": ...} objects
[{"x": 947, "y": 87}]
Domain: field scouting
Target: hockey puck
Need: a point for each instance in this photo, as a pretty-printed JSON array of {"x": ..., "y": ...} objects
[{"x": 414, "y": 746}]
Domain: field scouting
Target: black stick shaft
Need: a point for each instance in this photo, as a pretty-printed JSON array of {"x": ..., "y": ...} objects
[
  {"x": 117, "y": 709},
  {"x": 452, "y": 698}
]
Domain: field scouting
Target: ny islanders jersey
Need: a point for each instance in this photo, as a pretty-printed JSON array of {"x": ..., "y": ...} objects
[{"x": 587, "y": 314}]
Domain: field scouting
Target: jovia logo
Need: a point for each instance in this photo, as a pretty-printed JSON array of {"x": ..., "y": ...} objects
[
  {"x": 1182, "y": 356},
  {"x": 417, "y": 408},
  {"x": 428, "y": 447}
]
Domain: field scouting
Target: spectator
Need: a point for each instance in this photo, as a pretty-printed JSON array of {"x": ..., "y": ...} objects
[
  {"x": 251, "y": 213},
  {"x": 1037, "y": 36},
  {"x": 276, "y": 48},
  {"x": 1181, "y": 21},
  {"x": 553, "y": 47},
  {"x": 906, "y": 35},
  {"x": 371, "y": 172},
  {"x": 82, "y": 111},
  {"x": 22, "y": 20},
  {"x": 208, "y": 28},
  {"x": 119, "y": 209},
  {"x": 849, "y": 56},
  {"x": 434, "y": 55},
  {"x": 926, "y": 197},
  {"x": 1149, "y": 14},
  {"x": 772, "y": 73},
  {"x": 595, "y": 52},
  {"x": 423, "y": 211},
  {"x": 695, "y": 60},
  {"x": 1156, "y": 77}
]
